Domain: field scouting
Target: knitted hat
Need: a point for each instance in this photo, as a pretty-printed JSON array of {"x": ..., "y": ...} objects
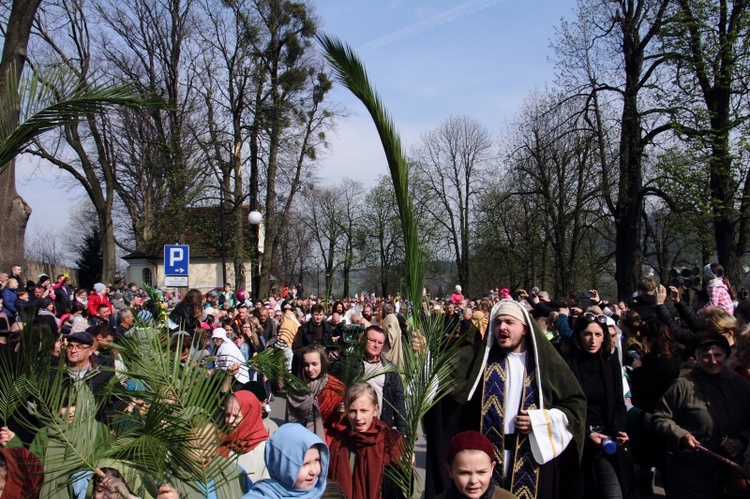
[
  {"x": 469, "y": 440},
  {"x": 511, "y": 308},
  {"x": 99, "y": 287}
]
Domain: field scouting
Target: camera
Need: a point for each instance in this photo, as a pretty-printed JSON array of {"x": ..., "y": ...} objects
[{"x": 350, "y": 333}]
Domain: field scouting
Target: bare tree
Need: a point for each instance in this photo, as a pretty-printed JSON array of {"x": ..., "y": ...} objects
[
  {"x": 450, "y": 163},
  {"x": 47, "y": 246},
  {"x": 352, "y": 194},
  {"x": 296, "y": 250},
  {"x": 225, "y": 75},
  {"x": 611, "y": 54},
  {"x": 66, "y": 38},
  {"x": 379, "y": 240},
  {"x": 158, "y": 173},
  {"x": 552, "y": 162},
  {"x": 323, "y": 208}
]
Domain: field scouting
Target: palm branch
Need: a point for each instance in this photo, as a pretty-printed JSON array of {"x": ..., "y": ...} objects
[
  {"x": 64, "y": 446},
  {"x": 10, "y": 372},
  {"x": 160, "y": 312},
  {"x": 57, "y": 98},
  {"x": 32, "y": 361},
  {"x": 426, "y": 369},
  {"x": 350, "y": 71}
]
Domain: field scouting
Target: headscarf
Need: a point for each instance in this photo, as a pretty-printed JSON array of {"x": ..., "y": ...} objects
[
  {"x": 228, "y": 354},
  {"x": 376, "y": 448},
  {"x": 285, "y": 455},
  {"x": 25, "y": 473},
  {"x": 511, "y": 308},
  {"x": 250, "y": 432}
]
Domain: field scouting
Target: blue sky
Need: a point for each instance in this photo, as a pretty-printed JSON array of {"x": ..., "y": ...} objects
[
  {"x": 428, "y": 60},
  {"x": 432, "y": 59}
]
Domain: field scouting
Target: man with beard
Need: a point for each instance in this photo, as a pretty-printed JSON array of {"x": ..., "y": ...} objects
[
  {"x": 451, "y": 320},
  {"x": 367, "y": 313},
  {"x": 515, "y": 389}
]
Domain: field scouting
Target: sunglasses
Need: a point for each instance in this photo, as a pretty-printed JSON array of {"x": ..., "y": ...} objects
[{"x": 601, "y": 319}]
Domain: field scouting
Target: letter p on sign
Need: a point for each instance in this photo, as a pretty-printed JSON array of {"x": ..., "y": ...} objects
[
  {"x": 176, "y": 255},
  {"x": 176, "y": 259}
]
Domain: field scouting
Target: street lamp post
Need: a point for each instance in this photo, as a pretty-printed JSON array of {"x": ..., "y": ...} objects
[{"x": 255, "y": 218}]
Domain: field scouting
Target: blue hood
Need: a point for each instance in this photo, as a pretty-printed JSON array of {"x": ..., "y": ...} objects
[{"x": 285, "y": 454}]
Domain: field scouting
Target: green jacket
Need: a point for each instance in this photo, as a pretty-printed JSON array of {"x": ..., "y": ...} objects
[
  {"x": 559, "y": 387},
  {"x": 682, "y": 409}
]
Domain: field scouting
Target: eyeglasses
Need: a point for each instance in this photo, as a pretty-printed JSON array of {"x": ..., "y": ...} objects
[
  {"x": 601, "y": 319},
  {"x": 377, "y": 342},
  {"x": 73, "y": 347}
]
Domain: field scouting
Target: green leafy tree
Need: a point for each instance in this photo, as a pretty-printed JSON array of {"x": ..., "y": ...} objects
[
  {"x": 89, "y": 261},
  {"x": 710, "y": 59}
]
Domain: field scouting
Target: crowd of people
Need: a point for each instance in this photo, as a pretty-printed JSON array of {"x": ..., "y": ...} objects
[{"x": 570, "y": 397}]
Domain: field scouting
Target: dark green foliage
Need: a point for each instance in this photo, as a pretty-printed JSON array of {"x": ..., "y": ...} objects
[{"x": 90, "y": 259}]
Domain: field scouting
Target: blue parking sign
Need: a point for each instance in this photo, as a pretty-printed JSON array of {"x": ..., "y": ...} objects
[{"x": 176, "y": 259}]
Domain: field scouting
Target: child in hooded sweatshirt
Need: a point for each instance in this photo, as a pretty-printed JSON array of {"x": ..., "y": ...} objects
[
  {"x": 297, "y": 461},
  {"x": 718, "y": 288}
]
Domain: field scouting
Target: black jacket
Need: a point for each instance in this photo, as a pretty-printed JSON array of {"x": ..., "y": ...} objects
[
  {"x": 182, "y": 315},
  {"x": 645, "y": 305},
  {"x": 306, "y": 335}
]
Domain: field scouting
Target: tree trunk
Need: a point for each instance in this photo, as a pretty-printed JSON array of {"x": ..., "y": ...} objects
[
  {"x": 14, "y": 212},
  {"x": 109, "y": 257},
  {"x": 628, "y": 256}
]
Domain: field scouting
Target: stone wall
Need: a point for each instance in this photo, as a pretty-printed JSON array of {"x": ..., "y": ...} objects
[{"x": 32, "y": 269}]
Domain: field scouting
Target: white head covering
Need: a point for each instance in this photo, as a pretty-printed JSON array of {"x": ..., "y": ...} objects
[
  {"x": 220, "y": 333},
  {"x": 513, "y": 309}
]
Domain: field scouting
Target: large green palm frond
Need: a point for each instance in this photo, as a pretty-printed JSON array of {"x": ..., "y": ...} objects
[
  {"x": 177, "y": 400},
  {"x": 426, "y": 369},
  {"x": 350, "y": 71},
  {"x": 31, "y": 364},
  {"x": 53, "y": 99},
  {"x": 182, "y": 400}
]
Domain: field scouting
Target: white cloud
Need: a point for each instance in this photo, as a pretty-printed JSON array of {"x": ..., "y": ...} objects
[{"x": 432, "y": 22}]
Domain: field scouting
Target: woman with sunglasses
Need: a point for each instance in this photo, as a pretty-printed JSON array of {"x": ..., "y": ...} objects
[{"x": 602, "y": 473}]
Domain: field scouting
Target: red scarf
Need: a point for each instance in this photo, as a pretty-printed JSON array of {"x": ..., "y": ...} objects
[
  {"x": 375, "y": 448},
  {"x": 250, "y": 432},
  {"x": 329, "y": 401},
  {"x": 25, "y": 474}
]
